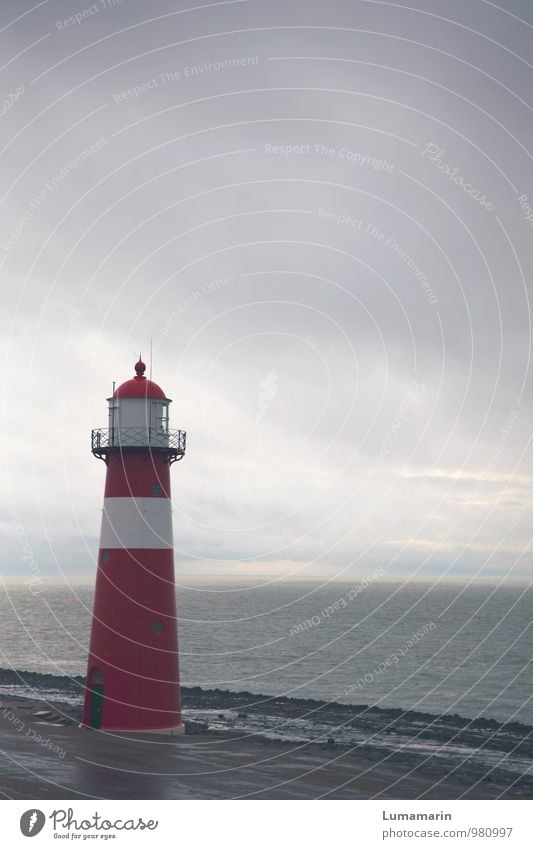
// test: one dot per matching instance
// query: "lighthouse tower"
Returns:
(132, 674)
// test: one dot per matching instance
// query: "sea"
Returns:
(437, 674)
(438, 649)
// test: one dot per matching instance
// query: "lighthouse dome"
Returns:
(139, 386)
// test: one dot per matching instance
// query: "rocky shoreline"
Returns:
(484, 752)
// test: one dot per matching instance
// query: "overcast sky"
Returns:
(321, 213)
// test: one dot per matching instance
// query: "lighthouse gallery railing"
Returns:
(104, 440)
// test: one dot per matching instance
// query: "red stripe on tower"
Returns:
(133, 670)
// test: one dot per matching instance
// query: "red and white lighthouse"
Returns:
(133, 673)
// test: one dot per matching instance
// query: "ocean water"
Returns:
(440, 649)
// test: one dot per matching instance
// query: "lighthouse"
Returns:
(133, 672)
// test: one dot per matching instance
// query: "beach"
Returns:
(237, 746)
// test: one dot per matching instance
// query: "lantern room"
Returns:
(138, 412)
(139, 418)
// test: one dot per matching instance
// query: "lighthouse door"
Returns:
(97, 698)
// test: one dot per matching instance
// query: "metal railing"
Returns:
(105, 440)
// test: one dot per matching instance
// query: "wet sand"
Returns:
(45, 755)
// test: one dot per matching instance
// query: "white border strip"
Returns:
(136, 523)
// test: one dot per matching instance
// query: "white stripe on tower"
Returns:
(136, 523)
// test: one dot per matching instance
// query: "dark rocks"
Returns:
(192, 727)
